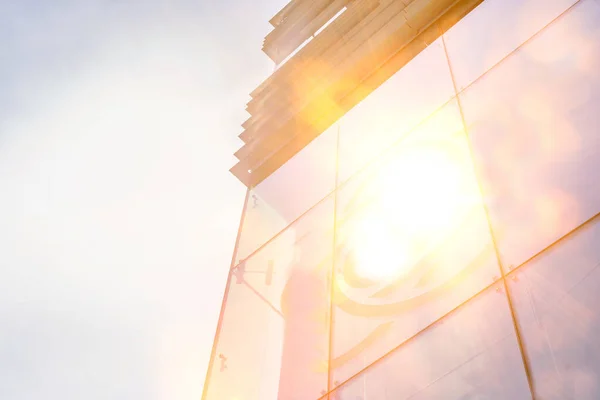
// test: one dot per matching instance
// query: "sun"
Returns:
(377, 255)
(420, 196)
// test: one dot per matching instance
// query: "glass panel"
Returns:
(291, 190)
(275, 332)
(396, 107)
(557, 303)
(413, 243)
(501, 26)
(534, 124)
(305, 244)
(470, 354)
(248, 357)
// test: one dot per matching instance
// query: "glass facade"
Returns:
(441, 240)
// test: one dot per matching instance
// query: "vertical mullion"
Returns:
(333, 264)
(517, 329)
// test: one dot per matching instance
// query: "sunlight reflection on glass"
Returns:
(418, 199)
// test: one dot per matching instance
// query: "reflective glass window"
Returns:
(534, 123)
(413, 242)
(393, 109)
(557, 303)
(290, 191)
(275, 329)
(494, 29)
(248, 357)
(470, 354)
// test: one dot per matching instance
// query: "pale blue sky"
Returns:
(117, 211)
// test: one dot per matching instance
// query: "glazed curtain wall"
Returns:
(441, 240)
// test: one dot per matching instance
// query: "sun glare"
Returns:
(377, 256)
(418, 198)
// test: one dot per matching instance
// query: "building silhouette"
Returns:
(421, 220)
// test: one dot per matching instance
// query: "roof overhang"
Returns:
(338, 68)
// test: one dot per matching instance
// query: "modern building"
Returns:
(421, 220)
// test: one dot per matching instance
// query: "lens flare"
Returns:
(418, 198)
(377, 255)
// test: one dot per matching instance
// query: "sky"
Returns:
(118, 120)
